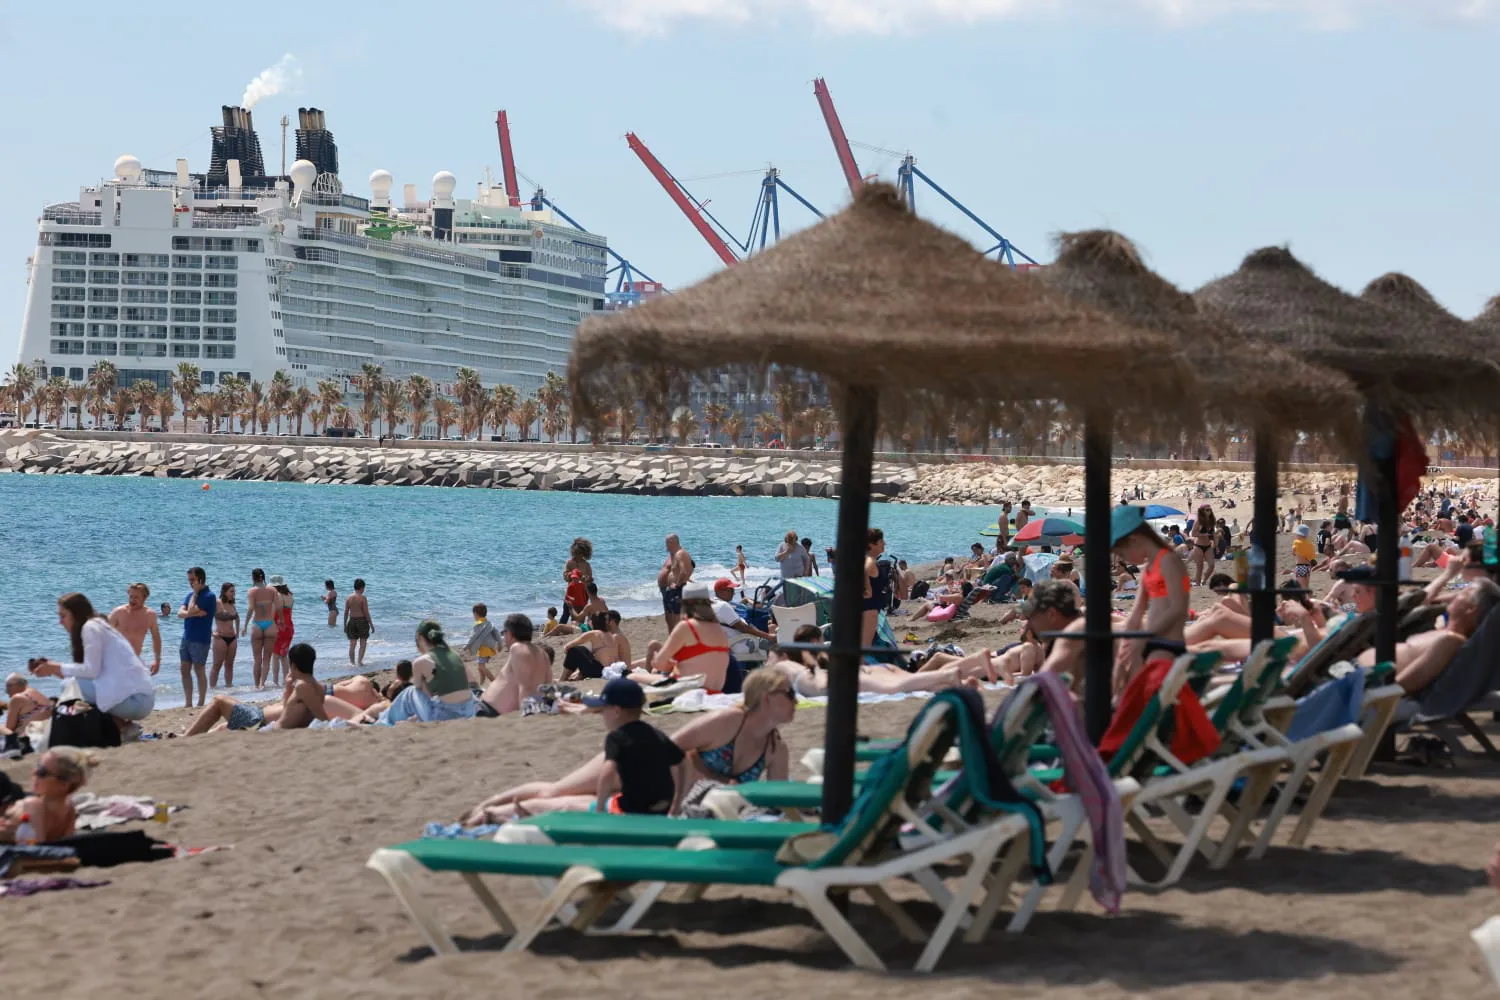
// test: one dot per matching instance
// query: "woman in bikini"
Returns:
(331, 602)
(284, 629)
(260, 622)
(730, 746)
(1203, 545)
(226, 637)
(1161, 604)
(740, 566)
(877, 587)
(698, 645)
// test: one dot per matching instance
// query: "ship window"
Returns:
(184, 350)
(103, 348)
(67, 312)
(67, 347)
(206, 377)
(180, 278)
(187, 260)
(100, 240)
(104, 259)
(104, 277)
(145, 277)
(146, 314)
(101, 329)
(186, 315)
(222, 351)
(65, 258)
(219, 315)
(143, 259)
(67, 329)
(218, 333)
(76, 374)
(244, 376)
(68, 276)
(222, 299)
(153, 295)
(67, 295)
(220, 280)
(104, 312)
(221, 263)
(188, 298)
(184, 333)
(103, 294)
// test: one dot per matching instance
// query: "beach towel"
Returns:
(18, 858)
(1193, 734)
(32, 886)
(1334, 704)
(1087, 775)
(457, 831)
(95, 812)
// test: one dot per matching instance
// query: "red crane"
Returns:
(507, 160)
(675, 192)
(840, 140)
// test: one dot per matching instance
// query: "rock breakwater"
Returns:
(581, 470)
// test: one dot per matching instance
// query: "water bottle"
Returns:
(1241, 568)
(1403, 564)
(1257, 574)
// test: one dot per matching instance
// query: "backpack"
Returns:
(577, 594)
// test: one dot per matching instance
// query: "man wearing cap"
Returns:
(643, 769)
(726, 614)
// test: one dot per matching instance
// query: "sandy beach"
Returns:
(1379, 905)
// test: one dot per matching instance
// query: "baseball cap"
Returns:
(1123, 520)
(622, 692)
(723, 583)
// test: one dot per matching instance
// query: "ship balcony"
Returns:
(72, 217)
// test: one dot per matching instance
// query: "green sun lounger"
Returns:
(859, 854)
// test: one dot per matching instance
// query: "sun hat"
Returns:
(276, 581)
(696, 591)
(622, 692)
(1123, 520)
(1302, 531)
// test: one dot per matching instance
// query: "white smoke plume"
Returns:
(271, 81)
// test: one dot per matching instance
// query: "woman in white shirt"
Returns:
(109, 673)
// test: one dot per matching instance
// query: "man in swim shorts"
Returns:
(197, 614)
(134, 621)
(676, 570)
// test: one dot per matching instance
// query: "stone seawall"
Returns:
(663, 474)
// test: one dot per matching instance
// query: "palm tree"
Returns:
(56, 400)
(418, 400)
(280, 395)
(121, 403)
(298, 405)
(230, 397)
(658, 415)
(372, 385)
(78, 397)
(165, 409)
(186, 382)
(255, 395)
(263, 414)
(627, 419)
(734, 427)
(552, 394)
(789, 394)
(685, 424)
(101, 383)
(211, 406)
(145, 393)
(19, 382)
(503, 402)
(470, 392)
(443, 412)
(526, 416)
(330, 396)
(713, 418)
(342, 417)
(392, 400)
(766, 425)
(554, 422)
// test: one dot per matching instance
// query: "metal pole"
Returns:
(1098, 646)
(1388, 542)
(1263, 601)
(858, 427)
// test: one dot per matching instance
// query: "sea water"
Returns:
(424, 552)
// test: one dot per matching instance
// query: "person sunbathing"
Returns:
(303, 699)
(808, 672)
(528, 665)
(47, 814)
(1420, 659)
(731, 746)
(587, 654)
(697, 644)
(24, 705)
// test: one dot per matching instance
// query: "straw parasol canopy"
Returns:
(875, 296)
(1278, 392)
(1488, 324)
(1275, 297)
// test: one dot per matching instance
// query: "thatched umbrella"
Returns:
(887, 308)
(1276, 394)
(1487, 325)
(1273, 297)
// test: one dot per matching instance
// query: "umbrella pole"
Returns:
(1098, 646)
(1387, 547)
(1263, 598)
(859, 422)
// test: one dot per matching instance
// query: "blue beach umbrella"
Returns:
(1153, 511)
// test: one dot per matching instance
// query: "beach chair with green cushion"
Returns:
(858, 855)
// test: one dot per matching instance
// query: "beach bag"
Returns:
(79, 724)
(577, 594)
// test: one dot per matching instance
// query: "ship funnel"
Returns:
(183, 180)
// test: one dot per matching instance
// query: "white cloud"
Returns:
(882, 17)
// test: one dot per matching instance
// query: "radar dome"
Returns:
(380, 183)
(128, 168)
(304, 172)
(443, 184)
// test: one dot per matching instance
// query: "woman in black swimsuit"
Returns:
(1203, 545)
(877, 586)
(226, 637)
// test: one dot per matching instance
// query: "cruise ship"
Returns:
(244, 273)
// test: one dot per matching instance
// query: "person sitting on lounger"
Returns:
(1420, 659)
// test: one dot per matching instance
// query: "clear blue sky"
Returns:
(1362, 132)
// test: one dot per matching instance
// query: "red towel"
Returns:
(1193, 734)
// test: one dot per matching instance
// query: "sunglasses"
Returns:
(42, 772)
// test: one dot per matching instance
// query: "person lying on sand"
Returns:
(808, 672)
(47, 814)
(528, 666)
(303, 699)
(730, 746)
